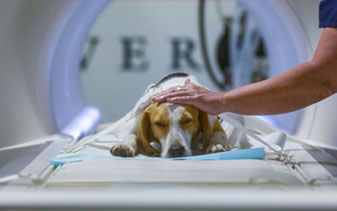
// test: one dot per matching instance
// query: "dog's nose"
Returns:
(176, 151)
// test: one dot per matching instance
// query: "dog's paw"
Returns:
(122, 150)
(213, 148)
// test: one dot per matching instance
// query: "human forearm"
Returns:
(303, 85)
(292, 90)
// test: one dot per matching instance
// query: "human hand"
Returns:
(205, 100)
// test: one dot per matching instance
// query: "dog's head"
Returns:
(173, 127)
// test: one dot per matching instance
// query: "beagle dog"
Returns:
(172, 130)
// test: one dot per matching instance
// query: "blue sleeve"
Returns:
(328, 13)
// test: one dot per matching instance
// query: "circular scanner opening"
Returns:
(110, 56)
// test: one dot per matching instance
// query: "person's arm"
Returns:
(297, 88)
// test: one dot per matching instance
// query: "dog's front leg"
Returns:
(127, 149)
(218, 143)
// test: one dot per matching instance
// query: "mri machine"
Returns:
(43, 112)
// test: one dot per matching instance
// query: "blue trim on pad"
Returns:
(252, 153)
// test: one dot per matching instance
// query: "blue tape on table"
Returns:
(252, 153)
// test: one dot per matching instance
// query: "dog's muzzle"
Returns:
(176, 151)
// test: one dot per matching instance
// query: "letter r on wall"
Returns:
(182, 49)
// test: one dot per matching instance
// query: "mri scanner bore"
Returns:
(217, 41)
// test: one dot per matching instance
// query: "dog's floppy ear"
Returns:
(205, 129)
(144, 134)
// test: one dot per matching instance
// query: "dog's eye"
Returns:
(159, 124)
(186, 121)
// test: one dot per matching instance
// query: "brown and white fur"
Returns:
(172, 130)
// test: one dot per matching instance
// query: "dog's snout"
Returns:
(176, 151)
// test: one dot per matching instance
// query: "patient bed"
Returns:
(35, 174)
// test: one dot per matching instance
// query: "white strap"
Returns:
(9, 178)
(239, 126)
(14, 177)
